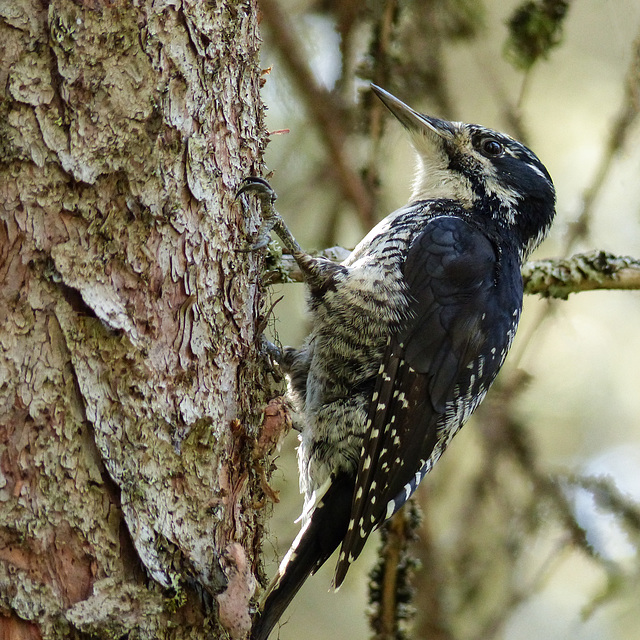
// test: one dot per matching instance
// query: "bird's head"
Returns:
(489, 173)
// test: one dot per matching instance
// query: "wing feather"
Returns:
(460, 305)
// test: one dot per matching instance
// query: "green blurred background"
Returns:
(501, 557)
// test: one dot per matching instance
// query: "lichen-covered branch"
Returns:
(551, 278)
(390, 590)
(557, 278)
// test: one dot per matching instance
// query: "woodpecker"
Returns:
(408, 333)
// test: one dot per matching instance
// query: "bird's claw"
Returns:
(270, 216)
(271, 219)
(264, 237)
(269, 349)
(259, 185)
(272, 354)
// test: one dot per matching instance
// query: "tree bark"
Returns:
(129, 368)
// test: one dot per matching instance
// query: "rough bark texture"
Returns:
(127, 317)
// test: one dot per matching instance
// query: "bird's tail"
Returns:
(320, 535)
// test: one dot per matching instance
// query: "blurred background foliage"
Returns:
(530, 524)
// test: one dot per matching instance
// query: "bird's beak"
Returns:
(412, 120)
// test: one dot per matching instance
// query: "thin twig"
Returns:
(495, 625)
(380, 55)
(617, 137)
(390, 590)
(321, 105)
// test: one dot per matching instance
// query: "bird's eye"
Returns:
(491, 147)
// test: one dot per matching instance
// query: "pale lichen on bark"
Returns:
(581, 272)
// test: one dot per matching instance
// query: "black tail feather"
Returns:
(321, 537)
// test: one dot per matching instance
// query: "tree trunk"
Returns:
(128, 356)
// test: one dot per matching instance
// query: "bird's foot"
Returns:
(272, 356)
(270, 350)
(271, 219)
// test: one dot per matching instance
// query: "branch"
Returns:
(557, 278)
(390, 590)
(552, 278)
(618, 136)
(283, 268)
(608, 496)
(322, 107)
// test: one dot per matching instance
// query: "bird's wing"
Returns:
(461, 310)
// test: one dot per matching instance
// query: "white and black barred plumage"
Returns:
(408, 334)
